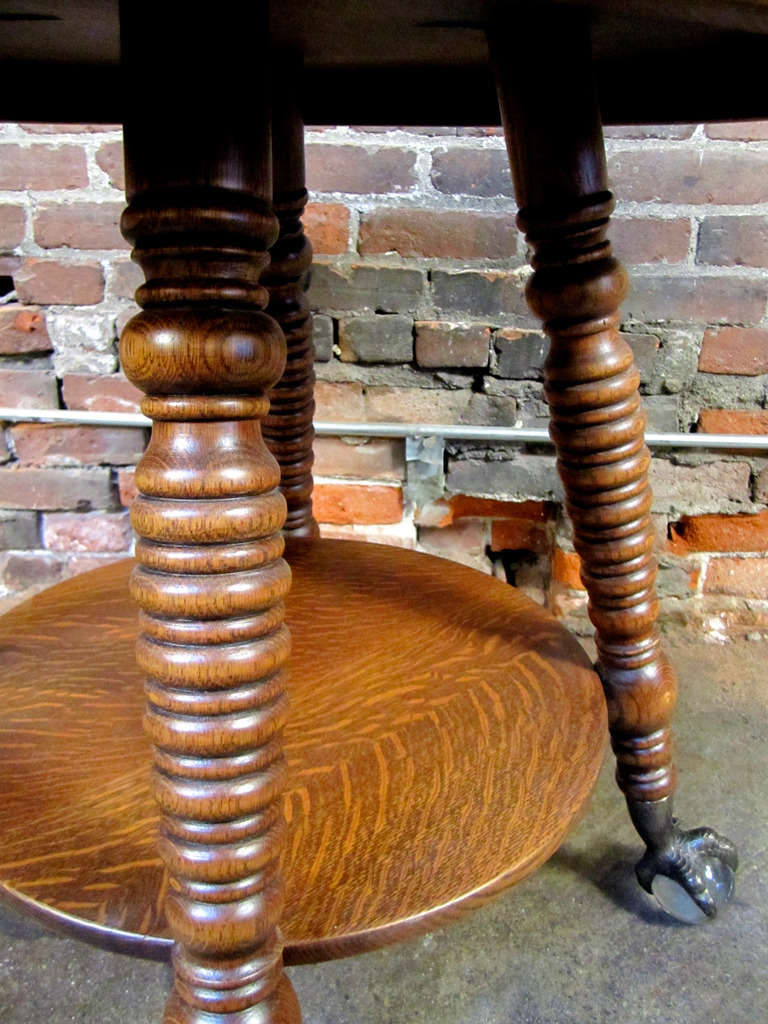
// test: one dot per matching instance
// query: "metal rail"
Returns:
(449, 432)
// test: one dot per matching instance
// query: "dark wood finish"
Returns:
(556, 152)
(210, 581)
(397, 63)
(445, 762)
(288, 429)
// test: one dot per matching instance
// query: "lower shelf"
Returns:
(445, 732)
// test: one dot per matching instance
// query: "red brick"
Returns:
(327, 227)
(23, 331)
(699, 299)
(341, 402)
(97, 531)
(100, 393)
(686, 176)
(39, 167)
(566, 569)
(32, 389)
(720, 533)
(453, 345)
(126, 485)
(56, 444)
(733, 242)
(357, 503)
(733, 421)
(49, 282)
(13, 220)
(126, 277)
(21, 570)
(466, 506)
(737, 350)
(650, 240)
(53, 489)
(519, 535)
(366, 459)
(472, 172)
(740, 131)
(79, 226)
(109, 157)
(741, 577)
(447, 234)
(332, 168)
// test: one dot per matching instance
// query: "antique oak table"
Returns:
(443, 732)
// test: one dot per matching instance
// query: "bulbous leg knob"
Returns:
(691, 873)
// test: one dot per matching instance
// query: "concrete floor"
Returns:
(578, 943)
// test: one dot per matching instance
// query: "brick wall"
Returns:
(418, 287)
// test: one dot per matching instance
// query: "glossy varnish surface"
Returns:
(591, 384)
(210, 581)
(288, 429)
(442, 737)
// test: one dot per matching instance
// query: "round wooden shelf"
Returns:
(445, 733)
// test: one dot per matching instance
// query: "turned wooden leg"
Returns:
(554, 137)
(288, 427)
(210, 582)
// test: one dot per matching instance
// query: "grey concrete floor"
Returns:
(578, 943)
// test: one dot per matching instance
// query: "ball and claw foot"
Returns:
(691, 873)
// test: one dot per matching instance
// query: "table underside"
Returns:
(411, 64)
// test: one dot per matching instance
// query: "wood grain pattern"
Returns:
(288, 429)
(443, 762)
(210, 581)
(556, 151)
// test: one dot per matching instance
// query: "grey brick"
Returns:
(523, 477)
(716, 486)
(366, 289)
(18, 530)
(52, 489)
(477, 293)
(645, 349)
(519, 355)
(322, 337)
(662, 412)
(472, 172)
(19, 570)
(673, 580)
(699, 299)
(384, 338)
(456, 345)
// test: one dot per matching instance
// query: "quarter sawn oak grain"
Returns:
(444, 763)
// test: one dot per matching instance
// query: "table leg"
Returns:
(288, 427)
(554, 138)
(211, 581)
